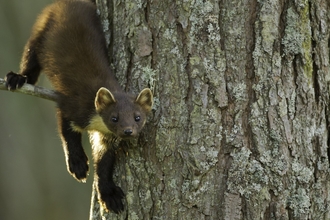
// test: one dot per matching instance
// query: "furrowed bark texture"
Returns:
(240, 126)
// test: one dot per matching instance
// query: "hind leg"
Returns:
(30, 67)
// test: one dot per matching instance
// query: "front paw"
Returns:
(14, 80)
(112, 199)
(78, 167)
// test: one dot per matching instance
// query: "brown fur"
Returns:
(68, 45)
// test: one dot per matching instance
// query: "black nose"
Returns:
(128, 131)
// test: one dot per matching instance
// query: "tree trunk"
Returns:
(240, 123)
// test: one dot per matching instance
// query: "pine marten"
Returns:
(67, 44)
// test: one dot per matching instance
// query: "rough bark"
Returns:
(240, 126)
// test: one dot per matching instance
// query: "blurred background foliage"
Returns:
(34, 182)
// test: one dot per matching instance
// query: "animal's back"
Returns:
(73, 51)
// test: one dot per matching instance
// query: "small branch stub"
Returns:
(32, 90)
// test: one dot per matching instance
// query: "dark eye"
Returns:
(114, 119)
(137, 118)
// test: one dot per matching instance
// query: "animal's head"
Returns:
(123, 114)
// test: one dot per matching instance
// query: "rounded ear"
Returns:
(103, 98)
(145, 99)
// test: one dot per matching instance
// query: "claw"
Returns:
(14, 80)
(112, 200)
